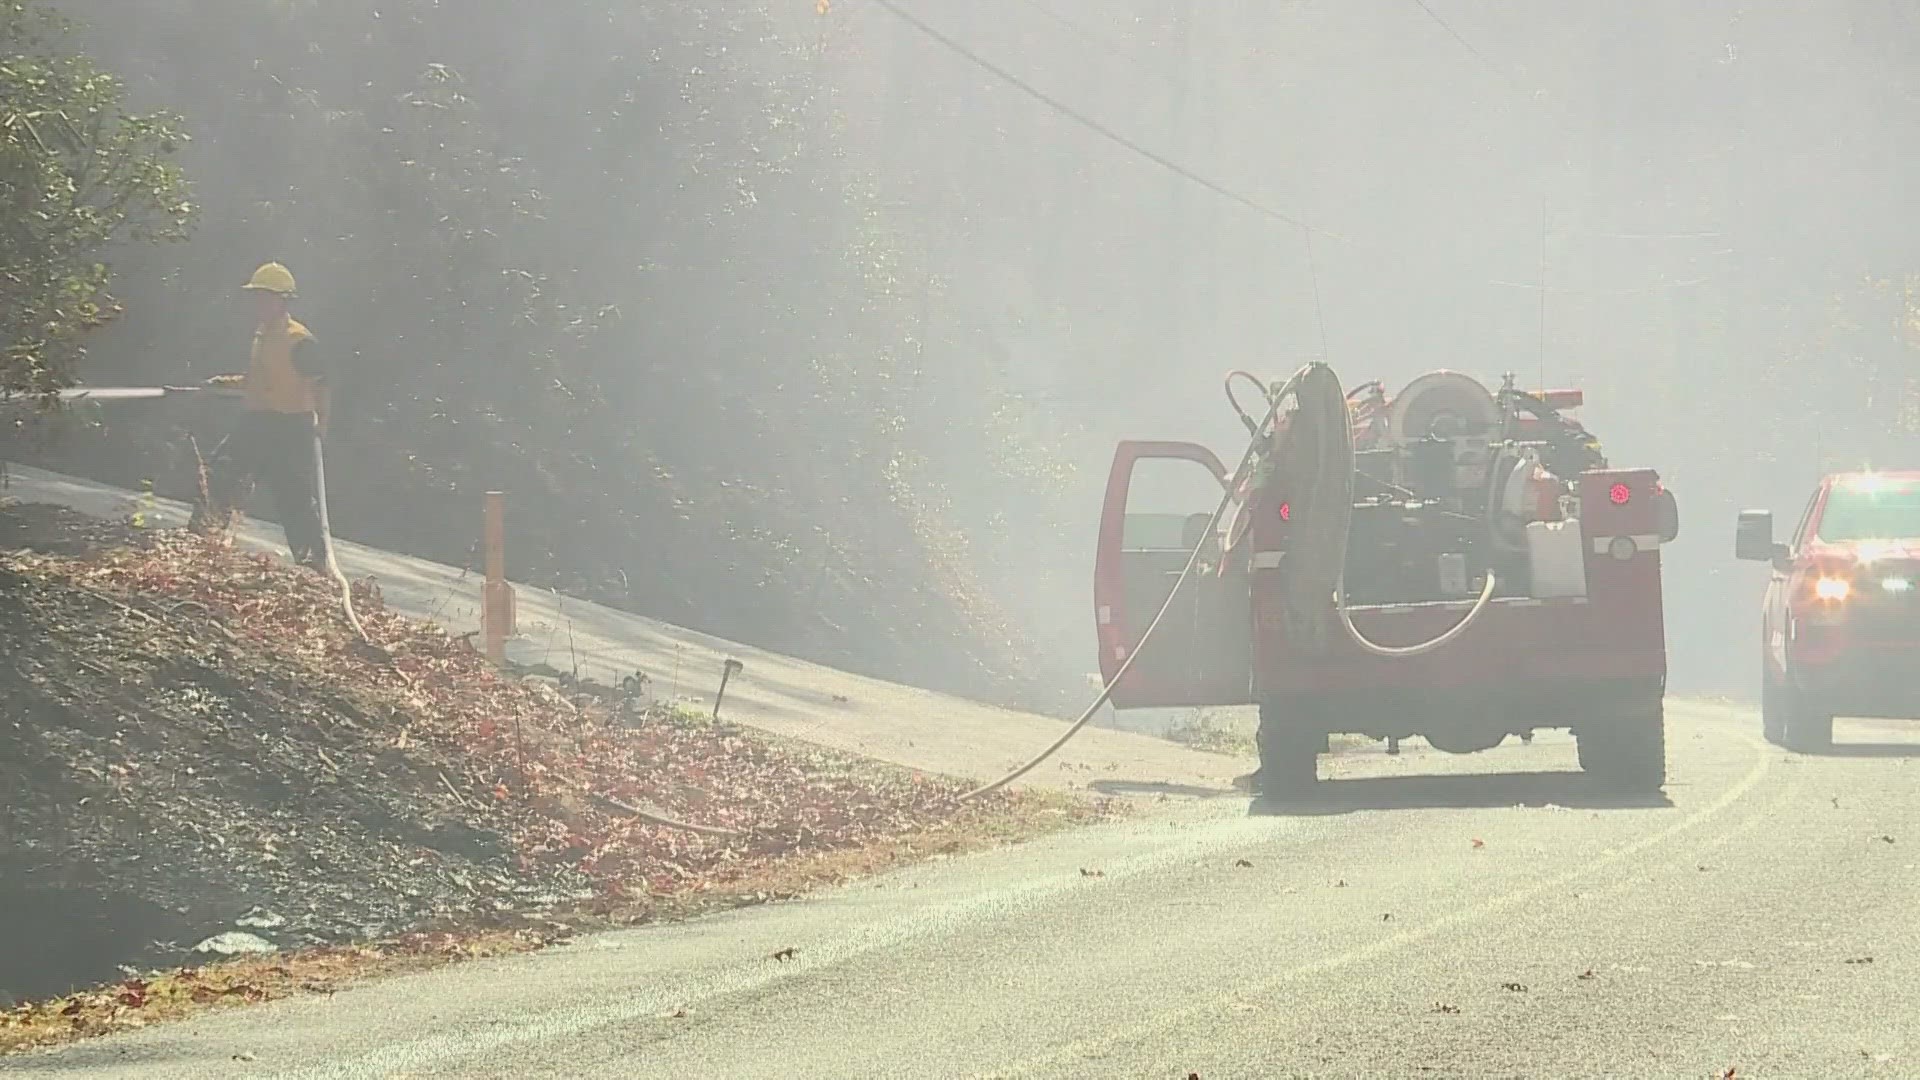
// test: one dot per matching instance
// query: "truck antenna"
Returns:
(1543, 293)
(1319, 313)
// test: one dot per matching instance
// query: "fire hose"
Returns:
(1317, 557)
(1193, 560)
(326, 540)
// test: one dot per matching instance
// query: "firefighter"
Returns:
(278, 436)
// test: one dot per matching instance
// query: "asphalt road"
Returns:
(1421, 918)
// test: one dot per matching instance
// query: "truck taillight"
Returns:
(1286, 511)
(1832, 589)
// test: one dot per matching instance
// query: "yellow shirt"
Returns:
(274, 384)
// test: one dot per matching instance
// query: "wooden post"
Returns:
(496, 598)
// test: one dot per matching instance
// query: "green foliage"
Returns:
(78, 173)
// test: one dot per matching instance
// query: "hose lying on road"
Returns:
(1318, 554)
(1322, 550)
(1193, 559)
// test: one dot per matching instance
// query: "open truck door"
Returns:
(1160, 497)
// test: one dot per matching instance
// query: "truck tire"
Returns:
(1773, 709)
(1289, 742)
(1806, 726)
(1627, 750)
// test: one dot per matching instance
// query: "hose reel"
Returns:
(1315, 462)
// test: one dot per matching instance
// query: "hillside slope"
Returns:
(193, 744)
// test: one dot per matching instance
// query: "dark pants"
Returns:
(279, 449)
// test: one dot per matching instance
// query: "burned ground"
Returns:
(163, 778)
(194, 746)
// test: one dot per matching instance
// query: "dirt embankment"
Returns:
(198, 760)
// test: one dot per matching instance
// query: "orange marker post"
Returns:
(496, 598)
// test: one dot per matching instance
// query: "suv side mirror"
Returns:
(1753, 537)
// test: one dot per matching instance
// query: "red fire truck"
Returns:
(1452, 562)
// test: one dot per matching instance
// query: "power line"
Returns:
(1385, 252)
(1468, 45)
(1101, 43)
(1319, 312)
(1095, 126)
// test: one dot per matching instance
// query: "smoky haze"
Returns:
(847, 322)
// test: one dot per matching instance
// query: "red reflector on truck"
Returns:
(1286, 511)
(1619, 494)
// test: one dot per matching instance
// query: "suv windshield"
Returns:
(1872, 509)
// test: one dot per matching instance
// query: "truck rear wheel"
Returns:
(1773, 708)
(1807, 728)
(1289, 740)
(1627, 749)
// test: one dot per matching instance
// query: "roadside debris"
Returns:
(235, 943)
(783, 955)
(198, 720)
(260, 919)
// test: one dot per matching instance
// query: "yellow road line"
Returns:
(1088, 1047)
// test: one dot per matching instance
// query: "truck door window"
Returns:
(1162, 497)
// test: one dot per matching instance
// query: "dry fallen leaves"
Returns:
(527, 755)
(536, 748)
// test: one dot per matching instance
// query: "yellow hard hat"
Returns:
(271, 277)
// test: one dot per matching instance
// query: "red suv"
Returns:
(1841, 623)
